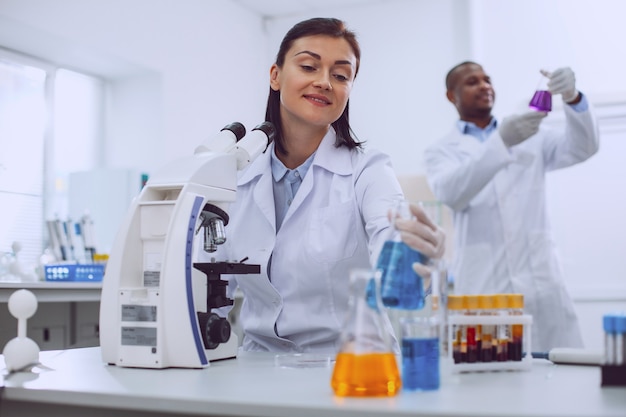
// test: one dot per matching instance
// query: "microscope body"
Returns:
(155, 309)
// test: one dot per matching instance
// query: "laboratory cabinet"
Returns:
(67, 314)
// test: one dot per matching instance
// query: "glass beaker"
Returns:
(401, 287)
(420, 352)
(542, 99)
(366, 364)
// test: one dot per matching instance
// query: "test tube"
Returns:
(487, 332)
(503, 331)
(608, 323)
(620, 342)
(455, 307)
(472, 331)
(516, 308)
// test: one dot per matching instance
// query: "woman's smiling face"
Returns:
(315, 80)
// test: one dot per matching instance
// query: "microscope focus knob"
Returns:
(215, 329)
(220, 330)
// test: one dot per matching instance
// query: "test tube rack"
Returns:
(463, 320)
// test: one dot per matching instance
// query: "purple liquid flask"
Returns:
(542, 100)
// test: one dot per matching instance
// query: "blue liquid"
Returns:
(401, 287)
(420, 364)
(370, 295)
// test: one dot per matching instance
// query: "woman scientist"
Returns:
(314, 205)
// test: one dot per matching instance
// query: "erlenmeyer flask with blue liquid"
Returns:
(401, 286)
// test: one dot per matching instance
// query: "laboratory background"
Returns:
(147, 80)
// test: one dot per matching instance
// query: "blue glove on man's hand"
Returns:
(562, 81)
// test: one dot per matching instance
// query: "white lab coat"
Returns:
(337, 221)
(503, 242)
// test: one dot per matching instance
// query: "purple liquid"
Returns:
(541, 101)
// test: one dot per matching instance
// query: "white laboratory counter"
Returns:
(77, 383)
(47, 292)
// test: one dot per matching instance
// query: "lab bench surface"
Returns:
(77, 383)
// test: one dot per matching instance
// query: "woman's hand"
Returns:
(421, 234)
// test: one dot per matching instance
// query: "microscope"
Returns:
(158, 306)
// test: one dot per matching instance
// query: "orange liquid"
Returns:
(368, 375)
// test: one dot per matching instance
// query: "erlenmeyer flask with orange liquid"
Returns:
(366, 365)
(542, 99)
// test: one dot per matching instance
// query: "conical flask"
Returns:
(542, 99)
(366, 364)
(401, 287)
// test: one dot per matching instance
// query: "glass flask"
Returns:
(542, 99)
(366, 364)
(401, 287)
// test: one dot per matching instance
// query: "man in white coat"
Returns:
(491, 173)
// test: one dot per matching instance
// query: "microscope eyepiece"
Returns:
(225, 140)
(269, 130)
(238, 129)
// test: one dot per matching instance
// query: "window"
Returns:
(50, 125)
(76, 130)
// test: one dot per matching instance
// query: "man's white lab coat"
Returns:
(503, 242)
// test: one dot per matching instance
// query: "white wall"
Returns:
(181, 70)
(515, 38)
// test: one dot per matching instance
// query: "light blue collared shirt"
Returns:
(286, 185)
(469, 128)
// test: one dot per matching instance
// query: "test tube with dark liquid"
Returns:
(516, 308)
(472, 331)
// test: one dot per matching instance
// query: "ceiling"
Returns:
(279, 8)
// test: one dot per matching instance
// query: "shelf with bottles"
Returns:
(505, 353)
